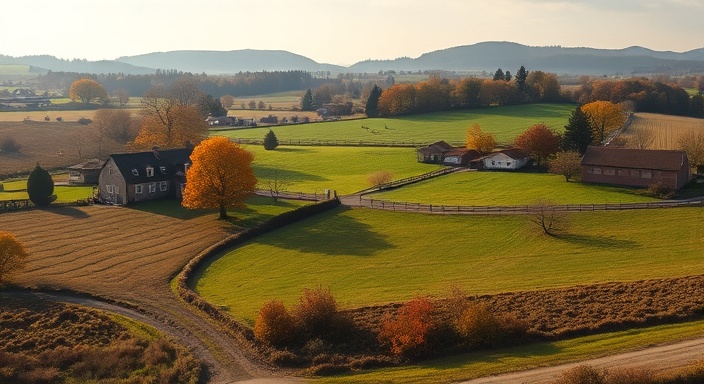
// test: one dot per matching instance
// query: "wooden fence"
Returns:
(338, 143)
(329, 194)
(459, 209)
(411, 180)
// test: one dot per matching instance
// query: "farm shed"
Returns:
(635, 167)
(433, 153)
(87, 172)
(505, 159)
(460, 156)
(132, 177)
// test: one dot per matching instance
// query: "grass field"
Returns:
(344, 169)
(508, 188)
(369, 257)
(666, 128)
(485, 363)
(18, 190)
(504, 122)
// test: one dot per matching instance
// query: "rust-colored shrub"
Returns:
(274, 324)
(631, 375)
(316, 312)
(582, 374)
(478, 325)
(407, 333)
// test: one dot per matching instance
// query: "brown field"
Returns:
(38, 116)
(280, 113)
(51, 144)
(667, 128)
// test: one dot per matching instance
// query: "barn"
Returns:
(505, 159)
(635, 167)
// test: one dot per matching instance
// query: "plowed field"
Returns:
(666, 128)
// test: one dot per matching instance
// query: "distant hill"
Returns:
(487, 56)
(229, 62)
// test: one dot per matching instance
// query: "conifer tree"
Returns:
(270, 141)
(307, 101)
(578, 132)
(372, 107)
(40, 187)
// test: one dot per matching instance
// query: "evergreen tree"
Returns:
(499, 75)
(40, 187)
(270, 141)
(521, 77)
(307, 101)
(507, 76)
(578, 132)
(372, 107)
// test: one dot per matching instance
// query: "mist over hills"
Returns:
(487, 56)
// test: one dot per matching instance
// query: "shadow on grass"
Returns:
(292, 149)
(66, 211)
(494, 357)
(597, 241)
(170, 208)
(332, 233)
(287, 175)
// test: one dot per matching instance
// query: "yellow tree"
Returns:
(172, 128)
(479, 140)
(12, 256)
(605, 118)
(87, 90)
(221, 176)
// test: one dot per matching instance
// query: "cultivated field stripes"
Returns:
(666, 129)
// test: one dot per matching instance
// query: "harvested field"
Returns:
(51, 144)
(666, 128)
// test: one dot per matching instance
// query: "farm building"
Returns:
(635, 167)
(505, 159)
(87, 172)
(132, 177)
(460, 156)
(433, 153)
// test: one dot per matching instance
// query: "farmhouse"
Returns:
(505, 159)
(635, 167)
(132, 177)
(460, 156)
(433, 153)
(87, 172)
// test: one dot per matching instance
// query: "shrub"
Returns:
(270, 141)
(274, 325)
(406, 335)
(660, 191)
(479, 326)
(9, 145)
(640, 375)
(582, 374)
(40, 187)
(84, 121)
(316, 312)
(380, 178)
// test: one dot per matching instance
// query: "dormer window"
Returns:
(185, 167)
(163, 170)
(150, 171)
(135, 172)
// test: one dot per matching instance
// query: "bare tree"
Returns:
(551, 220)
(380, 178)
(276, 186)
(692, 142)
(567, 164)
(122, 95)
(640, 138)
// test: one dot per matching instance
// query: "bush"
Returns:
(84, 121)
(40, 187)
(316, 312)
(479, 326)
(270, 141)
(9, 145)
(660, 191)
(582, 374)
(406, 335)
(274, 325)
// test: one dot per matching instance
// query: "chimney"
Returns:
(155, 151)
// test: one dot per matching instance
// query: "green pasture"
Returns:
(508, 188)
(485, 363)
(370, 257)
(344, 169)
(504, 122)
(14, 70)
(17, 190)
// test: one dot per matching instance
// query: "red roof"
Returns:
(664, 160)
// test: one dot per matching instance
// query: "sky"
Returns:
(340, 32)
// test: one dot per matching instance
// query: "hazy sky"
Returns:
(340, 32)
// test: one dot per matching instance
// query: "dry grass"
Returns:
(667, 128)
(69, 116)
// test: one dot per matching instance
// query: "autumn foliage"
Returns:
(540, 141)
(274, 324)
(479, 140)
(171, 129)
(12, 256)
(86, 90)
(221, 176)
(605, 118)
(408, 332)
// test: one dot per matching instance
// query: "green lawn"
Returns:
(17, 190)
(504, 122)
(508, 188)
(371, 257)
(344, 169)
(473, 365)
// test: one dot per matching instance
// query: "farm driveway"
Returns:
(129, 256)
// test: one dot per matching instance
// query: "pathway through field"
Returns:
(129, 256)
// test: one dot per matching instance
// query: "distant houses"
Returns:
(501, 159)
(133, 177)
(86, 173)
(635, 167)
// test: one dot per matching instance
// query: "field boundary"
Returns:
(470, 209)
(15, 205)
(341, 143)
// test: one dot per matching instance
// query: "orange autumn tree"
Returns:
(540, 141)
(13, 256)
(221, 176)
(479, 140)
(605, 117)
(171, 128)
(86, 90)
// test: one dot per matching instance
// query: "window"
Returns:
(135, 172)
(597, 171)
(110, 169)
(635, 173)
(138, 189)
(163, 170)
(150, 171)
(508, 163)
(108, 188)
(646, 174)
(185, 167)
(163, 186)
(609, 171)
(152, 188)
(623, 172)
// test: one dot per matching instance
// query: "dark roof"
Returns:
(95, 164)
(665, 160)
(514, 153)
(140, 161)
(437, 147)
(459, 151)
